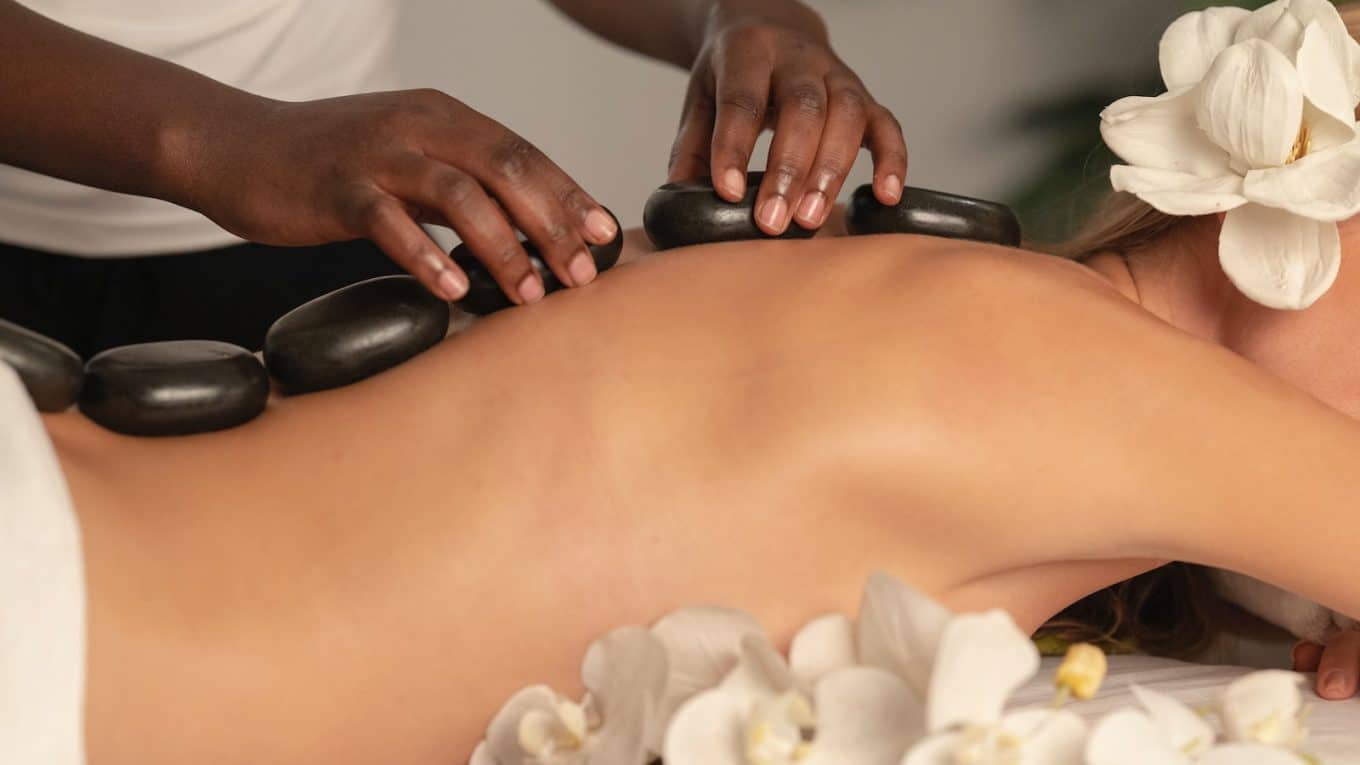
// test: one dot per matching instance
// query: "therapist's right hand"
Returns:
(374, 166)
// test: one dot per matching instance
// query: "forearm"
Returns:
(674, 30)
(80, 108)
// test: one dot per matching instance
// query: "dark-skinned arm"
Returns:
(760, 64)
(371, 166)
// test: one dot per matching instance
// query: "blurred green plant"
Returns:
(1055, 202)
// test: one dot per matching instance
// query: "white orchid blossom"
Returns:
(982, 660)
(625, 676)
(767, 712)
(1258, 123)
(702, 647)
(1261, 716)
(1265, 708)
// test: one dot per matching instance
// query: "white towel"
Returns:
(42, 594)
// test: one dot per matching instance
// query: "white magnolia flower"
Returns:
(1265, 708)
(625, 676)
(1258, 123)
(982, 660)
(769, 713)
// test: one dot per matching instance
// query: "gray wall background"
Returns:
(954, 71)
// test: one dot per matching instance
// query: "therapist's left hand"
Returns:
(768, 64)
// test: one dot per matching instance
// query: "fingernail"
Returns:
(531, 289)
(452, 285)
(772, 214)
(812, 209)
(601, 227)
(892, 186)
(734, 182)
(1334, 684)
(582, 269)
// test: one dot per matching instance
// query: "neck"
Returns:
(1180, 281)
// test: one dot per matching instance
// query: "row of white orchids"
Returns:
(907, 683)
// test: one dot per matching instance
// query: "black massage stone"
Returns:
(683, 214)
(51, 372)
(485, 296)
(175, 388)
(353, 333)
(933, 213)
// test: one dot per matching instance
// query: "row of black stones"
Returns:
(684, 214)
(187, 387)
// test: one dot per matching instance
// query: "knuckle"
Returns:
(852, 103)
(834, 165)
(454, 188)
(376, 213)
(886, 116)
(745, 104)
(788, 172)
(513, 158)
(807, 99)
(573, 199)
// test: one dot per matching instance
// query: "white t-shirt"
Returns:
(292, 50)
(42, 594)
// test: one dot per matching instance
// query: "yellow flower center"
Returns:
(1301, 146)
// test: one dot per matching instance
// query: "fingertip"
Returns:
(451, 284)
(732, 185)
(1336, 685)
(1306, 656)
(773, 216)
(601, 227)
(889, 189)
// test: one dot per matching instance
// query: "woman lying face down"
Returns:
(365, 574)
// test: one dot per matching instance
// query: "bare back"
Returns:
(719, 424)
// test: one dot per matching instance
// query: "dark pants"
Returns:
(232, 294)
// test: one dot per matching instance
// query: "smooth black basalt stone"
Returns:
(933, 213)
(485, 296)
(175, 388)
(353, 333)
(683, 214)
(51, 372)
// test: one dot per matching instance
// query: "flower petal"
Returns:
(1129, 737)
(983, 659)
(1179, 193)
(1162, 133)
(1277, 258)
(1263, 707)
(824, 645)
(900, 630)
(935, 750)
(1193, 41)
(502, 737)
(482, 756)
(1323, 64)
(1250, 754)
(1323, 186)
(1251, 104)
(1353, 46)
(1184, 730)
(709, 729)
(760, 672)
(1052, 737)
(626, 673)
(702, 645)
(1275, 25)
(865, 716)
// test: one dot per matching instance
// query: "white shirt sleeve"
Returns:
(42, 594)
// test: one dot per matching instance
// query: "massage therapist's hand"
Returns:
(373, 166)
(768, 63)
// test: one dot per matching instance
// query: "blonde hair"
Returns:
(1174, 610)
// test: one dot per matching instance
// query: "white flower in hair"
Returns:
(1258, 123)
